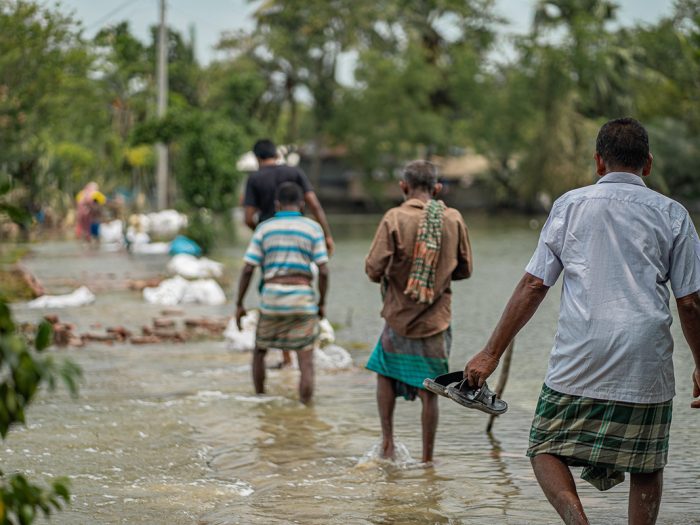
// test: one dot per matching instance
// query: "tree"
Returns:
(668, 98)
(298, 43)
(43, 65)
(420, 80)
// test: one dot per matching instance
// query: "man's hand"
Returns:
(479, 368)
(240, 313)
(321, 311)
(696, 389)
(330, 245)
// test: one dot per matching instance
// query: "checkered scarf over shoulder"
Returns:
(421, 281)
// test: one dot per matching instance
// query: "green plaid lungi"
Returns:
(608, 438)
(410, 360)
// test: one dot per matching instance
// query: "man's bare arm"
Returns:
(323, 274)
(689, 313)
(243, 284)
(249, 216)
(527, 297)
(317, 211)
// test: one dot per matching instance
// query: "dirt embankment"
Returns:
(17, 283)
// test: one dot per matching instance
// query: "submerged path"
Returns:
(171, 433)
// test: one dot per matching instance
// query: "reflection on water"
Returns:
(173, 434)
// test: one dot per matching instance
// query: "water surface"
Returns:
(172, 433)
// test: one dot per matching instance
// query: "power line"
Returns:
(109, 15)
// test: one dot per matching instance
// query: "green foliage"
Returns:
(43, 78)
(22, 500)
(13, 212)
(202, 229)
(427, 83)
(205, 147)
(24, 370)
(206, 161)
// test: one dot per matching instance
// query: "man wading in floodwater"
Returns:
(284, 247)
(261, 188)
(420, 247)
(606, 401)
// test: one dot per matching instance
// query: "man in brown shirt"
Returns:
(415, 342)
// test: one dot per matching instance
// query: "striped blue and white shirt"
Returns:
(287, 244)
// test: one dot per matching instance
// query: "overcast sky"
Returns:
(212, 17)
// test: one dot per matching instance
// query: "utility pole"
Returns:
(162, 77)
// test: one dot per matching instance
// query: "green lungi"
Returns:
(410, 360)
(608, 438)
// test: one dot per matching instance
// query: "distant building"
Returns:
(343, 188)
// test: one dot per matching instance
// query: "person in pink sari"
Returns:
(85, 211)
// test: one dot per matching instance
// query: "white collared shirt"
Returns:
(619, 244)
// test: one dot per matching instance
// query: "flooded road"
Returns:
(172, 434)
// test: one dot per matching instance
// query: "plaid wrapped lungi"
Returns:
(608, 438)
(410, 360)
(288, 318)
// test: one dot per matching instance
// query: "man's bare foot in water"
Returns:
(388, 451)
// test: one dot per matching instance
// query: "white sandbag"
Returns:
(150, 248)
(168, 293)
(332, 357)
(139, 222)
(112, 232)
(136, 236)
(204, 291)
(79, 297)
(247, 162)
(166, 223)
(242, 340)
(192, 267)
(327, 334)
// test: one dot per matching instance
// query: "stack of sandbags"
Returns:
(178, 290)
(192, 267)
(165, 223)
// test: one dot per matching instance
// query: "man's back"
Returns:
(391, 257)
(262, 185)
(286, 245)
(618, 244)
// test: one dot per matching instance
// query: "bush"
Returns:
(24, 369)
(201, 229)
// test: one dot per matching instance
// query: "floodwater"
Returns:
(172, 433)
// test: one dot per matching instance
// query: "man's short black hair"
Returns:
(289, 193)
(623, 143)
(265, 149)
(420, 174)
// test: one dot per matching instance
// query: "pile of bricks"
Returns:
(162, 329)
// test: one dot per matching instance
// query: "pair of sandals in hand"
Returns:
(456, 387)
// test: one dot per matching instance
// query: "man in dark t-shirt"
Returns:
(259, 198)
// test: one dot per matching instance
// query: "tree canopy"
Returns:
(426, 79)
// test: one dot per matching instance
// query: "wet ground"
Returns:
(172, 434)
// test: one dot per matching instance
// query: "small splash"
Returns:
(258, 399)
(211, 394)
(225, 488)
(402, 458)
